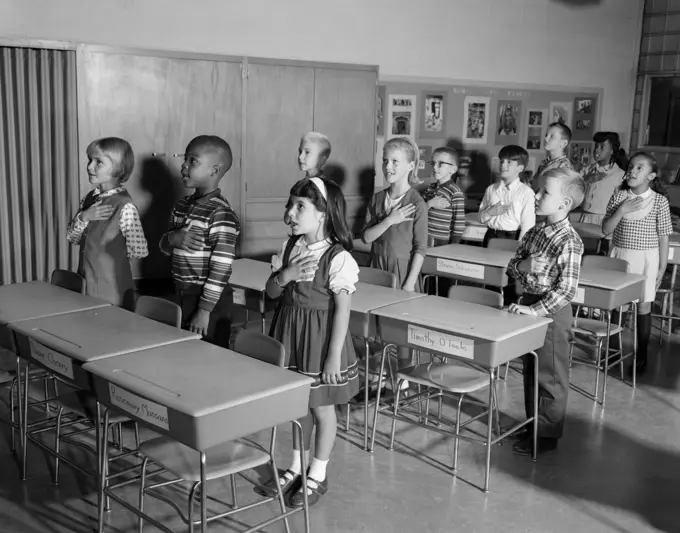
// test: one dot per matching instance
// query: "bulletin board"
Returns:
(479, 119)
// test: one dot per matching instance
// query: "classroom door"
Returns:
(344, 110)
(280, 108)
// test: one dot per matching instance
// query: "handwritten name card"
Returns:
(441, 342)
(459, 268)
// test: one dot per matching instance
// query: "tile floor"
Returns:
(617, 470)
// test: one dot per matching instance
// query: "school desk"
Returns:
(362, 324)
(484, 266)
(590, 232)
(474, 229)
(668, 301)
(476, 334)
(249, 280)
(607, 290)
(199, 394)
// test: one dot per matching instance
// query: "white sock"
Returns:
(296, 465)
(317, 470)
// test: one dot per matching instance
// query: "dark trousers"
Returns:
(441, 282)
(219, 325)
(553, 374)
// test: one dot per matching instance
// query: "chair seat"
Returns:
(220, 461)
(449, 377)
(72, 403)
(595, 328)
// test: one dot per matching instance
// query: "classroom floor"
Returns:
(617, 470)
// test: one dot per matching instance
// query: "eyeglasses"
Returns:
(438, 164)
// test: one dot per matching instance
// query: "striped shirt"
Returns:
(443, 224)
(555, 251)
(640, 230)
(210, 267)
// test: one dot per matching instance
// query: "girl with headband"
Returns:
(314, 277)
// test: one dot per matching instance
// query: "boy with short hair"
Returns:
(547, 266)
(202, 241)
(445, 201)
(556, 141)
(507, 208)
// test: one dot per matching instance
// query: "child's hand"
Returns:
(97, 211)
(632, 203)
(517, 309)
(186, 239)
(438, 203)
(497, 209)
(199, 322)
(299, 269)
(401, 214)
(331, 371)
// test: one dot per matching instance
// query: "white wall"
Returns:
(573, 43)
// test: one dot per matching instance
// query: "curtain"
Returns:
(38, 162)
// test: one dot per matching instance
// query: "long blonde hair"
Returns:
(411, 150)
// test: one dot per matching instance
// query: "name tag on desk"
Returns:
(580, 295)
(459, 268)
(55, 361)
(239, 296)
(147, 411)
(441, 342)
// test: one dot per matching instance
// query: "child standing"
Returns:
(603, 177)
(397, 222)
(556, 141)
(547, 265)
(314, 277)
(313, 152)
(202, 240)
(508, 205)
(107, 227)
(445, 201)
(640, 219)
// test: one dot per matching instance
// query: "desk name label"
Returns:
(146, 411)
(580, 295)
(239, 297)
(441, 342)
(459, 268)
(55, 361)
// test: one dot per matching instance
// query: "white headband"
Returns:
(321, 186)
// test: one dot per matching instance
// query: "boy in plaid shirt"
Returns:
(547, 266)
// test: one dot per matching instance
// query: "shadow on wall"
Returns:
(474, 173)
(158, 183)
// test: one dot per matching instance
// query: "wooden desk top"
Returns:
(607, 279)
(250, 274)
(472, 254)
(98, 333)
(195, 377)
(461, 318)
(37, 299)
(369, 297)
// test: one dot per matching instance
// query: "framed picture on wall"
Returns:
(584, 118)
(536, 122)
(508, 121)
(476, 119)
(433, 122)
(561, 112)
(401, 115)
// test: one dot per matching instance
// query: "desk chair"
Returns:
(219, 461)
(68, 280)
(453, 379)
(595, 330)
(381, 278)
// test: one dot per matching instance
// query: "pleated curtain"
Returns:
(38, 162)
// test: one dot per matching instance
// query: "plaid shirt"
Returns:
(550, 164)
(555, 251)
(211, 266)
(641, 234)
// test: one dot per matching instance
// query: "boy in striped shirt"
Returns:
(202, 241)
(445, 201)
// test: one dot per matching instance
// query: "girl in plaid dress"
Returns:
(639, 217)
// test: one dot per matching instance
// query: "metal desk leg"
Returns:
(24, 429)
(297, 427)
(377, 396)
(262, 313)
(674, 273)
(367, 357)
(489, 433)
(606, 357)
(21, 410)
(533, 457)
(204, 502)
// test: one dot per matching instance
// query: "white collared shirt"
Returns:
(518, 200)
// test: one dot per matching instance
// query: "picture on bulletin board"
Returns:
(380, 110)
(584, 118)
(580, 155)
(476, 119)
(424, 157)
(434, 115)
(534, 138)
(509, 116)
(401, 116)
(536, 121)
(560, 112)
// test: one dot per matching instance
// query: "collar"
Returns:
(556, 160)
(512, 186)
(605, 168)
(551, 229)
(318, 245)
(193, 199)
(98, 191)
(645, 194)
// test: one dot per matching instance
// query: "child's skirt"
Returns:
(643, 262)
